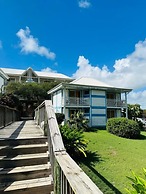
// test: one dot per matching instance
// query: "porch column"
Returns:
(126, 104)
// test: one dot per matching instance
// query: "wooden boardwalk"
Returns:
(24, 166)
(20, 130)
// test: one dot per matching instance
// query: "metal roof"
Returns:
(17, 72)
(88, 83)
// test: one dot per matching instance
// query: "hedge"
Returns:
(123, 127)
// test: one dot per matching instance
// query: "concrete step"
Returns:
(23, 141)
(24, 172)
(23, 149)
(23, 160)
(37, 186)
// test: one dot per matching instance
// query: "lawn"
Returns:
(112, 158)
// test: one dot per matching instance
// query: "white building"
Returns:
(29, 75)
(3, 81)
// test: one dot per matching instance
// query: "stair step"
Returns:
(23, 149)
(43, 185)
(23, 160)
(23, 141)
(24, 172)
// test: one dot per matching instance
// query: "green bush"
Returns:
(138, 184)
(74, 141)
(123, 127)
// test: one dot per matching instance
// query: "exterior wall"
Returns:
(57, 101)
(98, 108)
(2, 82)
(97, 113)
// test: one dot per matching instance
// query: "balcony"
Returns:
(116, 103)
(73, 101)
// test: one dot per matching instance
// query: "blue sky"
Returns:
(101, 39)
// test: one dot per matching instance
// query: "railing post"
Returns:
(5, 109)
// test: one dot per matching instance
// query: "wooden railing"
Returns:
(68, 177)
(7, 115)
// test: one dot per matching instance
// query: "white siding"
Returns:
(1, 83)
(98, 121)
(98, 101)
(98, 111)
(57, 101)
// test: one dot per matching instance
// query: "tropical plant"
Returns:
(138, 184)
(78, 121)
(74, 141)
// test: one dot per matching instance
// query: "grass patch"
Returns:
(111, 159)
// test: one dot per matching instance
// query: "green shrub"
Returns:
(123, 127)
(138, 184)
(74, 141)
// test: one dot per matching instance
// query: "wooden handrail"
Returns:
(72, 179)
(7, 115)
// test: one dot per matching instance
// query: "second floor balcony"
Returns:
(110, 103)
(116, 103)
(74, 101)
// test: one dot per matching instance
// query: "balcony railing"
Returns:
(116, 103)
(72, 101)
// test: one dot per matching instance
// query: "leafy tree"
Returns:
(134, 111)
(9, 100)
(30, 94)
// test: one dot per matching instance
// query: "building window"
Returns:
(111, 113)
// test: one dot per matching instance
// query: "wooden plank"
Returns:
(78, 180)
(55, 134)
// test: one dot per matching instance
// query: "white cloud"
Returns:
(138, 98)
(84, 4)
(48, 70)
(29, 44)
(1, 46)
(129, 72)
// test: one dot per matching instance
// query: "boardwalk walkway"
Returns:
(21, 129)
(24, 166)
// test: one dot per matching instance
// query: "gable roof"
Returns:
(29, 69)
(88, 83)
(41, 74)
(3, 75)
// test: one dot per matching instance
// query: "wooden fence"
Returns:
(68, 177)
(7, 115)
